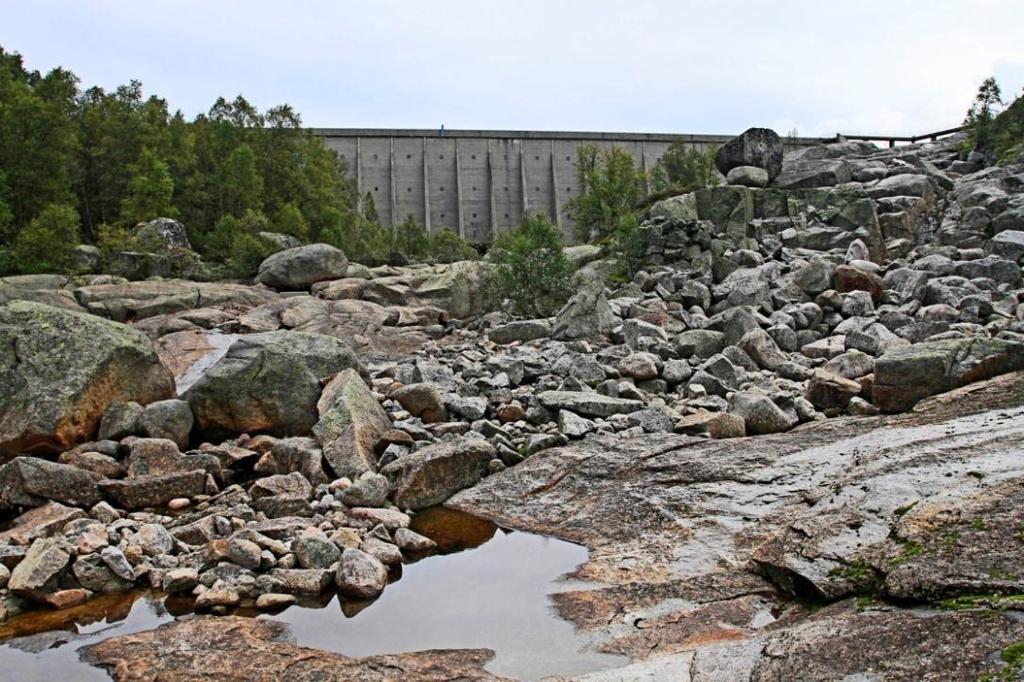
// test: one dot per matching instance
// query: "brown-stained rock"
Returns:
(234, 648)
(153, 490)
(849, 278)
(41, 522)
(434, 473)
(421, 400)
(60, 369)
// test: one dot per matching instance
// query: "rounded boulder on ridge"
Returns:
(758, 147)
(299, 268)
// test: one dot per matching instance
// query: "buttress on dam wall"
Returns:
(481, 182)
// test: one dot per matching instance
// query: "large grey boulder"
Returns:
(351, 422)
(747, 176)
(808, 173)
(298, 268)
(268, 383)
(760, 414)
(520, 330)
(432, 474)
(760, 147)
(162, 234)
(171, 419)
(586, 314)
(59, 369)
(1009, 244)
(907, 374)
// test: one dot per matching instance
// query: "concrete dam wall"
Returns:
(480, 182)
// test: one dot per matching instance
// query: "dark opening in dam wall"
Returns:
(478, 182)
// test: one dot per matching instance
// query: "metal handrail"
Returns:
(893, 139)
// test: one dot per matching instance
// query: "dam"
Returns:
(480, 182)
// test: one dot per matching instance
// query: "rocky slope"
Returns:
(791, 308)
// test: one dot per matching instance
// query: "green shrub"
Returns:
(46, 243)
(115, 238)
(448, 247)
(682, 169)
(628, 247)
(530, 274)
(247, 252)
(216, 245)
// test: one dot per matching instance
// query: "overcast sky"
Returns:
(892, 66)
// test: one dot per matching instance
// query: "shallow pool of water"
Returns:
(486, 588)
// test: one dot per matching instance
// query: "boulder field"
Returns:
(791, 443)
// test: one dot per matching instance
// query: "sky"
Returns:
(816, 66)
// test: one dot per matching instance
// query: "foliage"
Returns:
(47, 243)
(119, 157)
(446, 246)
(997, 135)
(289, 220)
(150, 190)
(628, 246)
(113, 238)
(683, 169)
(247, 252)
(411, 240)
(530, 274)
(242, 185)
(611, 189)
(37, 137)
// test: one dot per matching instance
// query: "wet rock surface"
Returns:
(235, 648)
(713, 549)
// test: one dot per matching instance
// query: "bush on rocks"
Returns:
(529, 271)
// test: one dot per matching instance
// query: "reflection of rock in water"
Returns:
(453, 531)
(109, 608)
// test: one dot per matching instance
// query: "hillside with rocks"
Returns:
(792, 442)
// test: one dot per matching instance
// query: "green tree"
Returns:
(610, 187)
(410, 239)
(46, 244)
(684, 169)
(247, 252)
(289, 220)
(242, 184)
(37, 137)
(217, 244)
(6, 216)
(529, 273)
(980, 117)
(150, 191)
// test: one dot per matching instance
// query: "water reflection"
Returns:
(495, 596)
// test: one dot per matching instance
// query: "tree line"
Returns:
(86, 165)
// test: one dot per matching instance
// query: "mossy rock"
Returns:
(59, 369)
